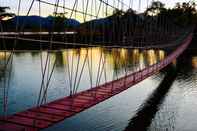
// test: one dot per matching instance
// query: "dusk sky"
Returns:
(47, 10)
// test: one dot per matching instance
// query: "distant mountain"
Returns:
(101, 21)
(34, 22)
(72, 22)
(117, 19)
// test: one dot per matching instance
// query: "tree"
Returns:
(178, 5)
(184, 14)
(3, 9)
(4, 14)
(59, 21)
(155, 8)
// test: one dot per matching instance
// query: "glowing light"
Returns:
(4, 55)
(161, 54)
(136, 51)
(141, 60)
(83, 51)
(6, 18)
(151, 57)
(123, 53)
(194, 62)
(135, 56)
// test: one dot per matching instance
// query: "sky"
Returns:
(46, 10)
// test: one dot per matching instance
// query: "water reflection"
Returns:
(94, 66)
(178, 109)
(143, 118)
(59, 59)
(117, 59)
(151, 57)
(194, 62)
(166, 109)
(5, 74)
(4, 62)
(4, 57)
(161, 54)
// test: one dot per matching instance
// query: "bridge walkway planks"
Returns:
(51, 113)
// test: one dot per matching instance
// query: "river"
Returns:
(173, 109)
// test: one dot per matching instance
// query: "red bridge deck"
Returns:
(46, 115)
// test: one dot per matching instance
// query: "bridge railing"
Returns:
(38, 117)
(142, 74)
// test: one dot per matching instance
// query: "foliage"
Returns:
(183, 14)
(3, 9)
(155, 8)
(59, 21)
(4, 14)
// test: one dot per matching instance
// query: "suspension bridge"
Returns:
(48, 114)
(141, 33)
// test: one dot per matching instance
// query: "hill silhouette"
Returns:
(34, 23)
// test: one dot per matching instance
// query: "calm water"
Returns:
(174, 110)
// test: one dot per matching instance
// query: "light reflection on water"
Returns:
(22, 77)
(194, 62)
(176, 109)
(20, 84)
